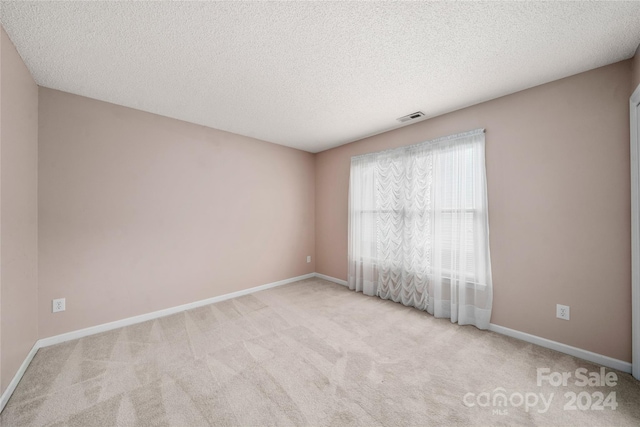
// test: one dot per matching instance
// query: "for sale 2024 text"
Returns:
(582, 377)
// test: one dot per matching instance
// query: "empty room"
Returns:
(310, 213)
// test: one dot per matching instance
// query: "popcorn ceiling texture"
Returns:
(312, 75)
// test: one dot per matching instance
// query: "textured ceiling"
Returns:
(312, 75)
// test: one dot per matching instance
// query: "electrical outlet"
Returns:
(308, 258)
(563, 311)
(59, 305)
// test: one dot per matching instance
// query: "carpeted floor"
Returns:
(309, 353)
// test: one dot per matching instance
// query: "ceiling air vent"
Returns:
(412, 116)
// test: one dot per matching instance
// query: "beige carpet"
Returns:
(308, 353)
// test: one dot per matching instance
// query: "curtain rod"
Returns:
(432, 141)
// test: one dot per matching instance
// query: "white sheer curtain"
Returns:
(419, 228)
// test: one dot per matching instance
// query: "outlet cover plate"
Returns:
(59, 304)
(563, 312)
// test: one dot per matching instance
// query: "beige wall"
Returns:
(140, 212)
(635, 70)
(18, 211)
(559, 205)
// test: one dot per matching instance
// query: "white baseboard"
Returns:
(45, 342)
(18, 376)
(331, 279)
(599, 359)
(590, 356)
(57, 339)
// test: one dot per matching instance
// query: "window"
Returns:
(418, 221)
